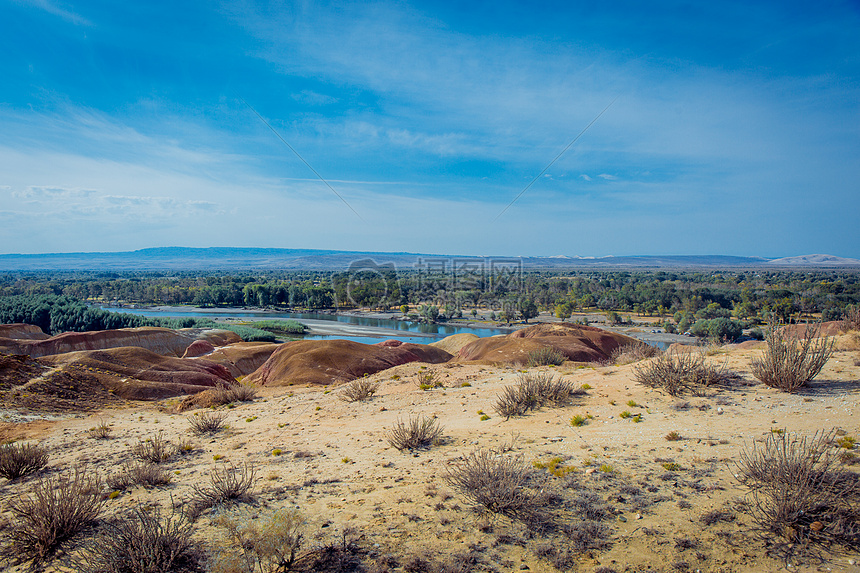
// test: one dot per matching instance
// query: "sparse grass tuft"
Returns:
(789, 363)
(359, 390)
(101, 431)
(418, 432)
(57, 508)
(578, 420)
(846, 442)
(673, 436)
(18, 460)
(428, 379)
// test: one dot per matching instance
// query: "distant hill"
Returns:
(238, 258)
(816, 261)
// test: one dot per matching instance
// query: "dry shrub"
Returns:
(225, 394)
(226, 485)
(359, 390)
(532, 391)
(342, 555)
(634, 352)
(800, 493)
(789, 362)
(17, 460)
(207, 423)
(58, 508)
(545, 356)
(140, 473)
(418, 432)
(146, 543)
(269, 542)
(426, 562)
(716, 516)
(500, 484)
(677, 372)
(851, 318)
(154, 450)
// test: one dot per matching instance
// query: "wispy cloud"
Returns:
(54, 9)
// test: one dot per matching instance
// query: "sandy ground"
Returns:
(336, 466)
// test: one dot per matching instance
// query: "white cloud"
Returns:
(608, 177)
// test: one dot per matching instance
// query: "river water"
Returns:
(326, 326)
(366, 329)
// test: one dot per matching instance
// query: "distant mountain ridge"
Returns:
(253, 258)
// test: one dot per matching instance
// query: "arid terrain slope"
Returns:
(654, 474)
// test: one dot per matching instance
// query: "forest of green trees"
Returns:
(701, 301)
(61, 313)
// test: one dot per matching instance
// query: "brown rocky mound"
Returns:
(327, 361)
(576, 342)
(139, 374)
(159, 340)
(18, 369)
(21, 331)
(242, 358)
(198, 348)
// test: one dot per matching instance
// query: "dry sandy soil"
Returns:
(336, 466)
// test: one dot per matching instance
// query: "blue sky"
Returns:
(735, 129)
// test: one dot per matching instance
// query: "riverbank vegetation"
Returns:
(715, 304)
